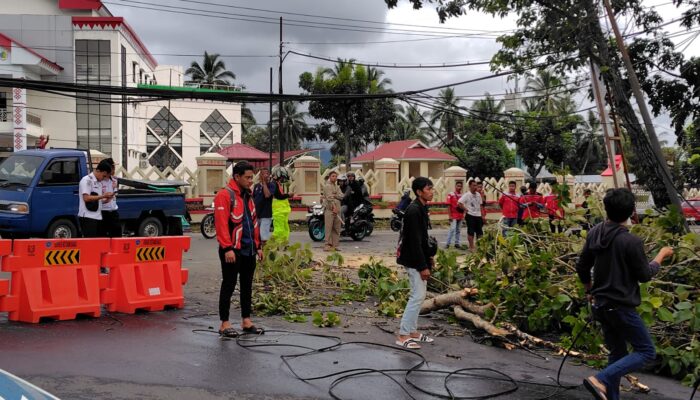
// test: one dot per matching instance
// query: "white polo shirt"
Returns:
(89, 185)
(110, 185)
(472, 202)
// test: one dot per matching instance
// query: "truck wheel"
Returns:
(62, 229)
(150, 227)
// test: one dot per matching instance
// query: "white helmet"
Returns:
(280, 173)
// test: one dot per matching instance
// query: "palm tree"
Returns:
(211, 72)
(294, 123)
(446, 113)
(547, 85)
(489, 109)
(589, 141)
(340, 66)
(382, 84)
(247, 119)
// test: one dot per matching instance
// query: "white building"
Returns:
(81, 41)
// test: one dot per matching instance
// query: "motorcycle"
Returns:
(207, 227)
(396, 222)
(360, 225)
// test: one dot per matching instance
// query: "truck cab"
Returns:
(39, 198)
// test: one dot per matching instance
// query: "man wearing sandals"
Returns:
(619, 265)
(413, 254)
(238, 234)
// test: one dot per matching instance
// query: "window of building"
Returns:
(93, 66)
(146, 80)
(215, 133)
(164, 140)
(134, 68)
(140, 76)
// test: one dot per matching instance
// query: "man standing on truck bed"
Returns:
(90, 200)
(111, 226)
(238, 235)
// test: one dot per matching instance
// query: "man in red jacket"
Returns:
(510, 205)
(238, 234)
(456, 215)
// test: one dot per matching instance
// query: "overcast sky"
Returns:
(179, 33)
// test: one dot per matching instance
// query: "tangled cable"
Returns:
(410, 375)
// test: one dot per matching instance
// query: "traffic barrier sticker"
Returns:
(61, 257)
(150, 253)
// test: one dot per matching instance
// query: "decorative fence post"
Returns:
(453, 175)
(387, 170)
(307, 179)
(212, 175)
(515, 174)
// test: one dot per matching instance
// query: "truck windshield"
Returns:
(19, 170)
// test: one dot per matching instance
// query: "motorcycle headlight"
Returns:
(20, 208)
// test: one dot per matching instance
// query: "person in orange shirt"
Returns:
(554, 211)
(533, 201)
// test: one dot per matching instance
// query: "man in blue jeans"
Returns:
(414, 253)
(619, 265)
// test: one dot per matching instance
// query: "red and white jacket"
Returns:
(510, 204)
(455, 211)
(228, 222)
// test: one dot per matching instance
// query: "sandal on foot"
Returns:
(594, 388)
(253, 330)
(422, 339)
(408, 344)
(228, 333)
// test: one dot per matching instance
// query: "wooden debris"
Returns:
(478, 322)
(453, 298)
(529, 340)
(636, 385)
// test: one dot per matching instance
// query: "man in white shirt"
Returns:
(90, 199)
(471, 202)
(111, 227)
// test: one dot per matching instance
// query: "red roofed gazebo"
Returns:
(415, 158)
(242, 152)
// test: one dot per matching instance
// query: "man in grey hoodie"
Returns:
(619, 264)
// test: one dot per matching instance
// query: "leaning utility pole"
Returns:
(597, 94)
(280, 108)
(644, 111)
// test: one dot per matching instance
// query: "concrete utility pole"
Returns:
(280, 109)
(597, 93)
(269, 126)
(646, 116)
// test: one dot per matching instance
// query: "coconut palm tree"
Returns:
(446, 113)
(547, 86)
(294, 122)
(376, 76)
(339, 68)
(247, 119)
(211, 72)
(489, 109)
(590, 143)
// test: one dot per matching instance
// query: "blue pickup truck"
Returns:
(39, 198)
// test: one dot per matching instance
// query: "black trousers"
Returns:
(245, 267)
(111, 227)
(90, 228)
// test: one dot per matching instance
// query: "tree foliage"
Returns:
(566, 36)
(212, 71)
(294, 122)
(364, 121)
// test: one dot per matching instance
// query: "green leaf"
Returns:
(665, 315)
(684, 306)
(656, 302)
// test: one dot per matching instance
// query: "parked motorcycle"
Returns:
(396, 222)
(360, 225)
(207, 227)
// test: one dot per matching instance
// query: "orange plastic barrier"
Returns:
(56, 279)
(145, 274)
(5, 250)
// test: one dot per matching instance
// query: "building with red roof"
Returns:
(259, 159)
(415, 158)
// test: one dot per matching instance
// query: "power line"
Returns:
(396, 65)
(277, 12)
(271, 20)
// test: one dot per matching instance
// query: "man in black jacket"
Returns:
(414, 254)
(619, 265)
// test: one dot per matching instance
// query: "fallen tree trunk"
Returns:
(527, 339)
(450, 299)
(478, 322)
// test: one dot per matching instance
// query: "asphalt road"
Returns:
(175, 354)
